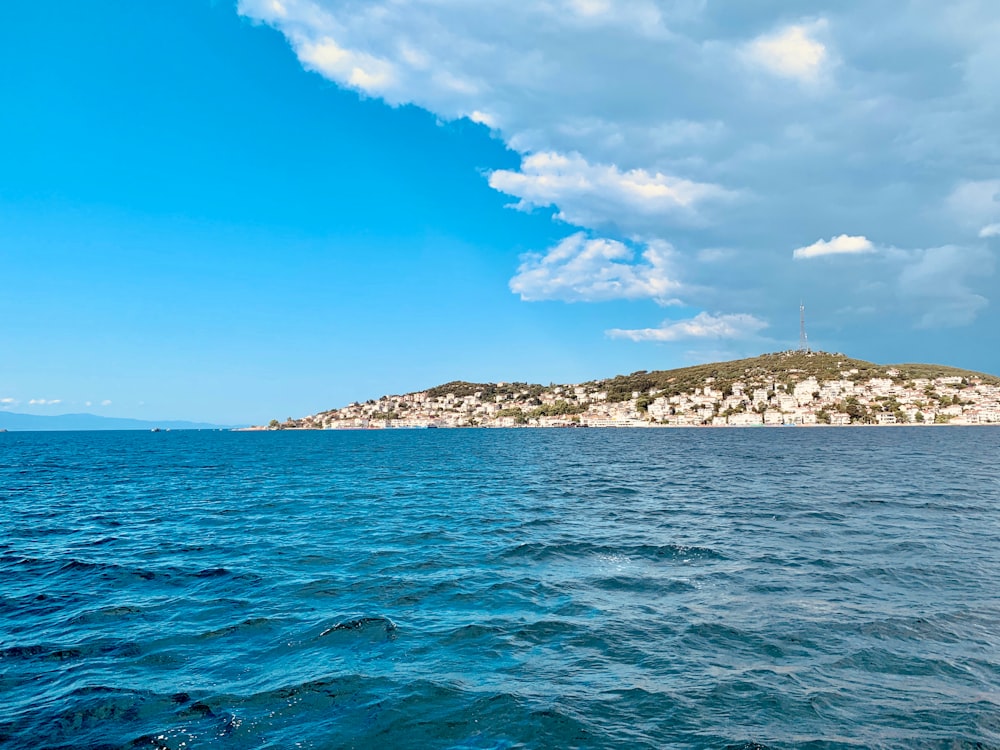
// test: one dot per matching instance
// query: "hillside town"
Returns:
(848, 392)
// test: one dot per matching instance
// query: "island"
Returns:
(801, 388)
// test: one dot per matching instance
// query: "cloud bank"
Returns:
(936, 282)
(696, 126)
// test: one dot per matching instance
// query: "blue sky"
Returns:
(233, 212)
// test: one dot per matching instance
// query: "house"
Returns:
(746, 419)
(773, 417)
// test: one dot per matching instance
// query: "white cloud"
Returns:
(354, 69)
(106, 402)
(840, 245)
(990, 230)
(594, 195)
(579, 269)
(8, 401)
(791, 52)
(701, 326)
(483, 118)
(44, 402)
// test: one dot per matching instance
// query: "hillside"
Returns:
(782, 388)
(782, 367)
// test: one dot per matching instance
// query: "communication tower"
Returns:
(803, 338)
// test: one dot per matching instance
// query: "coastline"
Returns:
(647, 426)
(798, 388)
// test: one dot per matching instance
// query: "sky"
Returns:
(236, 211)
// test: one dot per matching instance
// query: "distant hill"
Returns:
(780, 366)
(13, 421)
(792, 387)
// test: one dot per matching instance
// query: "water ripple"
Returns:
(739, 589)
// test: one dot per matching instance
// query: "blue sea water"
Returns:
(754, 588)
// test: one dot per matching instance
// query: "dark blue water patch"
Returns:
(779, 589)
(48, 652)
(370, 626)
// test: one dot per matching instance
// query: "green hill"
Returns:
(781, 367)
(774, 372)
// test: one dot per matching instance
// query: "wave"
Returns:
(652, 552)
(46, 652)
(649, 592)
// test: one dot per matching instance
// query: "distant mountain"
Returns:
(13, 421)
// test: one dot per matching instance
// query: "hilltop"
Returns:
(793, 387)
(786, 367)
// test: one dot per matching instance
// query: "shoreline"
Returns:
(802, 389)
(411, 428)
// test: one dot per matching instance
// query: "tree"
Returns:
(274, 424)
(517, 414)
(856, 410)
(558, 409)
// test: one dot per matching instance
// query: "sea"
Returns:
(741, 589)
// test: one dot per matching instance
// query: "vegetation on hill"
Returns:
(461, 389)
(782, 368)
(913, 371)
(700, 394)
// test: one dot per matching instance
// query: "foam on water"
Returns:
(741, 589)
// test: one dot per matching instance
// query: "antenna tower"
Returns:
(803, 338)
